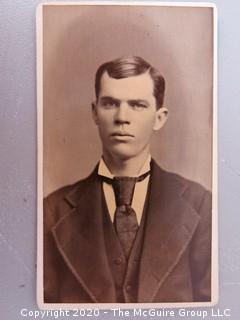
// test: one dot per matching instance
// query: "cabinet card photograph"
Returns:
(127, 155)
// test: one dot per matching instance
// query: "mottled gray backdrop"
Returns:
(178, 41)
(18, 157)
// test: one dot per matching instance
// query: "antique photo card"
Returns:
(127, 155)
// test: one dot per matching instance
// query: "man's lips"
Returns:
(121, 134)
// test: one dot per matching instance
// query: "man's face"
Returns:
(126, 115)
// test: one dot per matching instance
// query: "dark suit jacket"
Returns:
(176, 257)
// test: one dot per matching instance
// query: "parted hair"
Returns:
(128, 67)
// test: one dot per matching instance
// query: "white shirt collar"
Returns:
(104, 171)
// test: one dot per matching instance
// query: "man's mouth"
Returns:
(121, 134)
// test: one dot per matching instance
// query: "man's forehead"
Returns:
(134, 86)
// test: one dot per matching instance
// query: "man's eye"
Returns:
(138, 106)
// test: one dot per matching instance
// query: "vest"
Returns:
(124, 273)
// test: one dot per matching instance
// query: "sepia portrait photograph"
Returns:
(127, 145)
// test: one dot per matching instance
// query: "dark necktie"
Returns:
(125, 219)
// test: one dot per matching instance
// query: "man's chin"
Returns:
(122, 153)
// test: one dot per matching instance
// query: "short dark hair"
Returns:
(128, 67)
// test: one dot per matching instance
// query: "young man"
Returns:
(130, 232)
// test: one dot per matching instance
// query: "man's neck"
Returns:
(125, 167)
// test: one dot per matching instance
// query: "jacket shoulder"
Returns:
(58, 203)
(60, 194)
(192, 192)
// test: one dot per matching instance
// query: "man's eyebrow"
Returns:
(109, 99)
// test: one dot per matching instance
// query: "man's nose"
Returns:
(122, 114)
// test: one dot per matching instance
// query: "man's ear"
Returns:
(94, 113)
(161, 118)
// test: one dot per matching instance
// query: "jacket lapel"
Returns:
(171, 222)
(80, 240)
